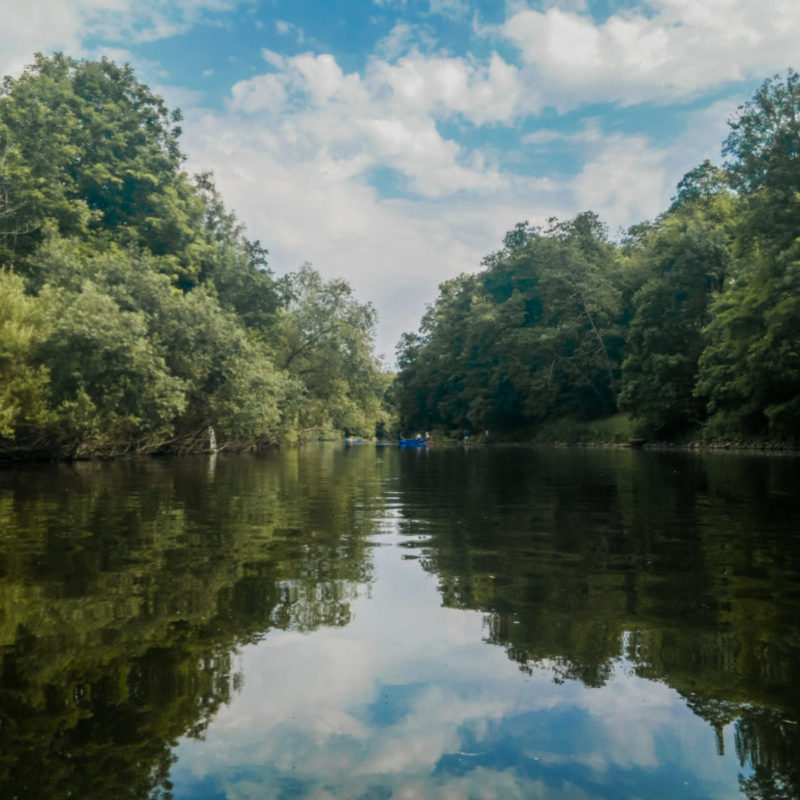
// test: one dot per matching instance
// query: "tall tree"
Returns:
(93, 150)
(534, 334)
(763, 150)
(750, 370)
(325, 338)
(684, 259)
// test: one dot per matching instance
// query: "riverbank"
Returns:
(618, 431)
(602, 435)
(12, 452)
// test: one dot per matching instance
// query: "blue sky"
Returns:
(393, 142)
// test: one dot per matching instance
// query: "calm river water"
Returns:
(370, 623)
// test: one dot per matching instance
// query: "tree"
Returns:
(24, 383)
(534, 334)
(99, 153)
(701, 183)
(763, 150)
(750, 371)
(109, 380)
(325, 341)
(685, 258)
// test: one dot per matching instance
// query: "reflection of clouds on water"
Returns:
(408, 701)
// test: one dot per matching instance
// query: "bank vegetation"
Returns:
(685, 329)
(135, 313)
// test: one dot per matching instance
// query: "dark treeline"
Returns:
(689, 326)
(134, 311)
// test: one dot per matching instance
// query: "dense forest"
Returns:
(687, 328)
(134, 311)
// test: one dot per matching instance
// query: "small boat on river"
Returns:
(419, 441)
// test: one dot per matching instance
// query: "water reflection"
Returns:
(375, 623)
(687, 567)
(126, 589)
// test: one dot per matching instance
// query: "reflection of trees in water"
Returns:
(771, 745)
(126, 589)
(685, 566)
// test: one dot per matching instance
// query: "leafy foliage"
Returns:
(689, 324)
(535, 333)
(686, 259)
(136, 311)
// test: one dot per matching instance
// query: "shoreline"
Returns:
(22, 456)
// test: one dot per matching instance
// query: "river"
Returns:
(368, 622)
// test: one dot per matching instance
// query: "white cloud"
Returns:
(678, 50)
(625, 180)
(448, 86)
(46, 25)
(147, 20)
(404, 37)
(440, 86)
(543, 136)
(256, 94)
(27, 27)
(285, 28)
(387, 118)
(589, 133)
(273, 58)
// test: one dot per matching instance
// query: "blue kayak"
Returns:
(419, 442)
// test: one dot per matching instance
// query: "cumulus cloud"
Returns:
(418, 84)
(624, 180)
(349, 123)
(672, 50)
(44, 25)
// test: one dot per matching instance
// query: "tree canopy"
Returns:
(136, 313)
(688, 324)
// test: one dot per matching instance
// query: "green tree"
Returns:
(24, 383)
(109, 380)
(685, 257)
(95, 151)
(325, 341)
(763, 150)
(535, 334)
(750, 370)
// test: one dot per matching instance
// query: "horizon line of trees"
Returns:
(134, 311)
(690, 324)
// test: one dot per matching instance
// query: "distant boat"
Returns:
(419, 441)
(352, 440)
